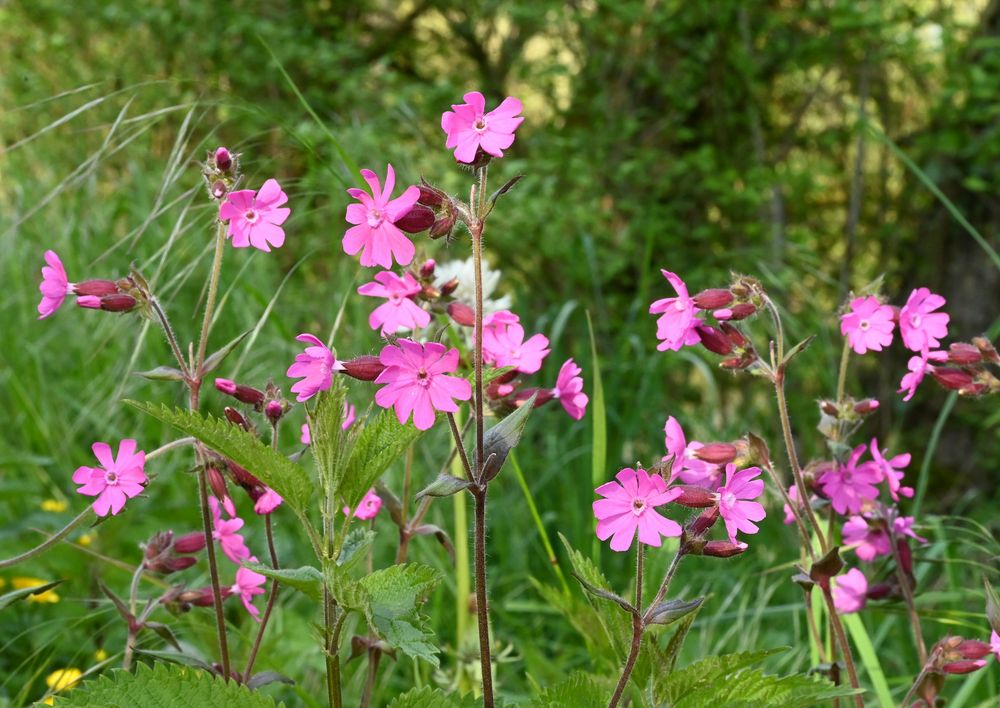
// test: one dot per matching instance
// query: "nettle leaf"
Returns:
(381, 441)
(395, 595)
(579, 689)
(306, 579)
(751, 688)
(504, 437)
(357, 542)
(164, 685)
(427, 697)
(330, 442)
(12, 597)
(275, 470)
(347, 591)
(213, 360)
(671, 687)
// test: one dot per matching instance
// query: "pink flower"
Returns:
(676, 325)
(504, 345)
(736, 505)
(686, 466)
(374, 220)
(400, 312)
(501, 317)
(349, 415)
(367, 508)
(921, 327)
(849, 485)
(793, 494)
(892, 471)
(569, 390)
(868, 326)
(417, 381)
(248, 584)
(849, 591)
(629, 504)
(315, 366)
(117, 480)
(995, 644)
(306, 438)
(469, 128)
(267, 502)
(919, 367)
(255, 219)
(869, 541)
(54, 286)
(225, 532)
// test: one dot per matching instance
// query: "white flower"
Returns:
(466, 290)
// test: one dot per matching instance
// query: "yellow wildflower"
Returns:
(21, 583)
(100, 655)
(54, 505)
(63, 678)
(86, 539)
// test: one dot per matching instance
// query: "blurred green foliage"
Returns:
(702, 137)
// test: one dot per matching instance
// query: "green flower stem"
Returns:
(638, 626)
(213, 289)
(168, 331)
(845, 357)
(841, 637)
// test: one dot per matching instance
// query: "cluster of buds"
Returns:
(434, 211)
(728, 341)
(221, 171)
(693, 539)
(968, 368)
(123, 295)
(270, 402)
(840, 419)
(160, 553)
(955, 655)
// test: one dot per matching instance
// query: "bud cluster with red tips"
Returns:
(160, 552)
(221, 171)
(968, 370)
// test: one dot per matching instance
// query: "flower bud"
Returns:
(203, 597)
(216, 482)
(244, 394)
(430, 196)
(880, 591)
(714, 340)
(739, 311)
(829, 408)
(712, 299)
(905, 555)
(964, 354)
(866, 407)
(735, 336)
(443, 226)
(172, 564)
(723, 549)
(108, 303)
(218, 190)
(98, 288)
(237, 418)
(973, 649)
(417, 219)
(429, 292)
(987, 349)
(223, 159)
(696, 497)
(427, 268)
(544, 396)
(158, 544)
(739, 362)
(462, 314)
(952, 379)
(363, 368)
(963, 667)
(449, 287)
(190, 542)
(274, 410)
(704, 521)
(716, 453)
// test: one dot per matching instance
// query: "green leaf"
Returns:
(162, 373)
(213, 360)
(12, 597)
(672, 610)
(165, 686)
(381, 441)
(444, 486)
(605, 594)
(306, 579)
(395, 595)
(357, 542)
(676, 642)
(272, 468)
(752, 688)
(347, 591)
(671, 687)
(579, 689)
(503, 437)
(798, 349)
(427, 697)
(330, 442)
(599, 449)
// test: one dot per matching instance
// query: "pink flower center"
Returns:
(846, 477)
(727, 499)
(395, 298)
(916, 320)
(638, 506)
(480, 125)
(111, 478)
(251, 216)
(864, 325)
(423, 378)
(680, 305)
(375, 218)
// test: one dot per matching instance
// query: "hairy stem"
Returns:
(213, 567)
(213, 288)
(665, 585)
(374, 656)
(272, 596)
(841, 636)
(168, 331)
(50, 541)
(845, 357)
(904, 584)
(460, 446)
(638, 626)
(482, 602)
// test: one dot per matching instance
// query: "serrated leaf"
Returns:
(751, 688)
(672, 610)
(348, 593)
(266, 677)
(428, 697)
(165, 686)
(503, 437)
(15, 595)
(307, 580)
(162, 373)
(357, 542)
(579, 689)
(444, 486)
(272, 468)
(176, 658)
(395, 595)
(213, 360)
(330, 442)
(669, 688)
(381, 441)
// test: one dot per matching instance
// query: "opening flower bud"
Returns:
(427, 269)
(964, 354)
(704, 521)
(449, 287)
(91, 302)
(462, 314)
(740, 311)
(866, 407)
(244, 394)
(418, 219)
(218, 189)
(363, 368)
(723, 549)
(223, 159)
(714, 340)
(274, 410)
(973, 649)
(98, 288)
(712, 299)
(695, 497)
(190, 542)
(951, 379)
(108, 303)
(717, 453)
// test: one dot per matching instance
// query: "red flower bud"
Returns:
(973, 649)
(243, 478)
(429, 292)
(696, 497)
(274, 410)
(427, 269)
(363, 368)
(987, 349)
(714, 340)
(218, 189)
(449, 287)
(462, 314)
(172, 565)
(443, 226)
(740, 311)
(190, 542)
(704, 521)
(905, 555)
(217, 483)
(880, 591)
(223, 159)
(735, 336)
(866, 407)
(716, 453)
(964, 354)
(430, 196)
(236, 418)
(244, 394)
(108, 303)
(829, 408)
(712, 299)
(98, 288)
(963, 667)
(417, 219)
(723, 549)
(158, 544)
(952, 379)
